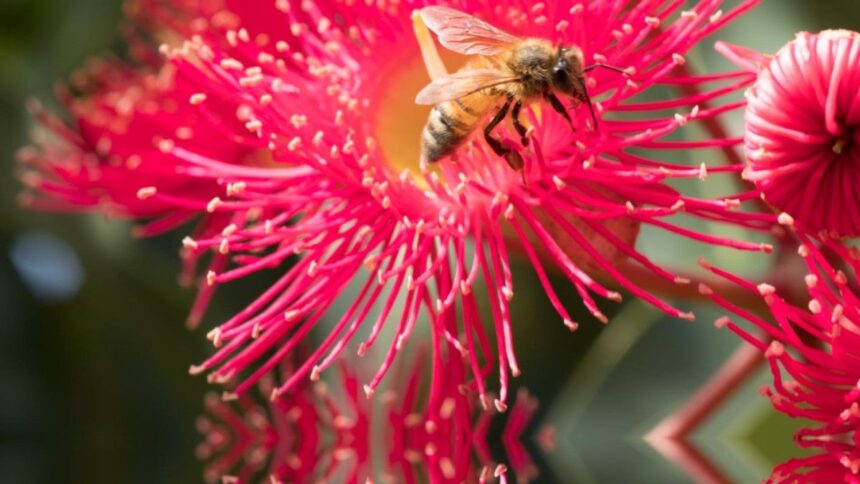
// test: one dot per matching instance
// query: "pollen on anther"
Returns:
(265, 58)
(197, 98)
(298, 120)
(785, 219)
(254, 126)
(323, 25)
(146, 192)
(189, 243)
(231, 64)
(249, 81)
(775, 350)
(814, 306)
(213, 204)
(166, 145)
(229, 230)
(631, 209)
(318, 138)
(236, 188)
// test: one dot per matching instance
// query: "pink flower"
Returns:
(803, 131)
(328, 88)
(126, 124)
(330, 431)
(814, 356)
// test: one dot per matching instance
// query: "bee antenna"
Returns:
(588, 101)
(605, 66)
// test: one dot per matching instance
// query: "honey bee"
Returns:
(504, 67)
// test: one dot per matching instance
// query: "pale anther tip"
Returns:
(146, 192)
(765, 289)
(785, 219)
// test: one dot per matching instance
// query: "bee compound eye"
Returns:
(560, 74)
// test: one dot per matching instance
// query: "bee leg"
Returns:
(513, 158)
(558, 107)
(515, 115)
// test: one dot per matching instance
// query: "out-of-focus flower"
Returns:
(127, 126)
(327, 88)
(803, 130)
(814, 356)
(328, 430)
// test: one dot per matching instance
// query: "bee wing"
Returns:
(464, 33)
(462, 83)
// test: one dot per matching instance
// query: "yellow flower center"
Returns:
(400, 120)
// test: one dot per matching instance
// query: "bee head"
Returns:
(567, 72)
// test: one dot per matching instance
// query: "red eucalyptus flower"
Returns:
(814, 356)
(314, 99)
(803, 131)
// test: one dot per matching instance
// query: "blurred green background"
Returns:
(94, 353)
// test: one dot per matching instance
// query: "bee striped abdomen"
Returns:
(449, 124)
